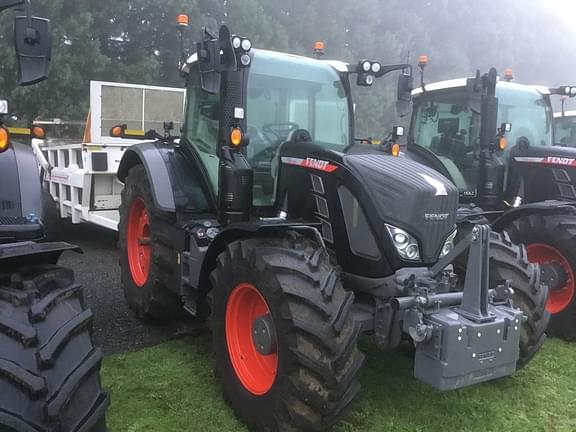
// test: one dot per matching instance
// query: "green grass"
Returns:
(172, 387)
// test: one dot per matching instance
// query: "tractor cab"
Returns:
(445, 127)
(284, 93)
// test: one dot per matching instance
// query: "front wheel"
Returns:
(283, 334)
(509, 262)
(551, 241)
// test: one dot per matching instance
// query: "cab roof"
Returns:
(461, 82)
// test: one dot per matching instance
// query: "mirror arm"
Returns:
(390, 68)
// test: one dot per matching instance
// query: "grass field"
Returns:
(172, 388)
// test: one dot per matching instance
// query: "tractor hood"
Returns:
(410, 196)
(544, 172)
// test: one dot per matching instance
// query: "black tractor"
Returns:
(266, 219)
(49, 367)
(494, 140)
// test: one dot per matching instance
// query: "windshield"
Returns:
(443, 123)
(528, 111)
(565, 131)
(286, 93)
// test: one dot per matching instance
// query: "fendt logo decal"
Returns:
(436, 216)
(549, 160)
(440, 188)
(316, 164)
(560, 161)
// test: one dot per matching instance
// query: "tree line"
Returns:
(136, 41)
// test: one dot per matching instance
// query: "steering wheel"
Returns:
(280, 130)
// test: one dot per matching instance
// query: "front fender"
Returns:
(237, 231)
(542, 207)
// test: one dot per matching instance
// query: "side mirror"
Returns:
(404, 94)
(33, 47)
(6, 4)
(3, 106)
(474, 90)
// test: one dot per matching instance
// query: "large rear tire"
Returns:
(146, 243)
(552, 239)
(49, 367)
(305, 376)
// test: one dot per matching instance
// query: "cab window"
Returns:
(444, 125)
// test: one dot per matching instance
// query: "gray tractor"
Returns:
(49, 367)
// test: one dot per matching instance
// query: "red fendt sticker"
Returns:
(316, 164)
(549, 160)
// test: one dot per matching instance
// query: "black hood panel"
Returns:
(542, 173)
(410, 196)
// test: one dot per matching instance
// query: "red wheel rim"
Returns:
(559, 299)
(138, 242)
(255, 371)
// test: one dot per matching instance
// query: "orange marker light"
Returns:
(423, 60)
(236, 137)
(395, 150)
(4, 139)
(116, 132)
(318, 49)
(38, 132)
(508, 74)
(182, 20)
(502, 143)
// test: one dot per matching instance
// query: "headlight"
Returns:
(448, 244)
(405, 244)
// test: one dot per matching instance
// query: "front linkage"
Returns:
(461, 337)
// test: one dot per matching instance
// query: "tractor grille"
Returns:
(9, 220)
(7, 204)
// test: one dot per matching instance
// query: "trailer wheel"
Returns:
(49, 367)
(147, 261)
(551, 239)
(283, 334)
(510, 262)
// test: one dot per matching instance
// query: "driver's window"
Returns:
(201, 124)
(450, 131)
